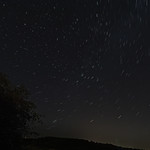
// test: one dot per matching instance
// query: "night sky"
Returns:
(86, 64)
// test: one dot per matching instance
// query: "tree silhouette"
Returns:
(15, 113)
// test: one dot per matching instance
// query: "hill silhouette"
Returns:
(55, 143)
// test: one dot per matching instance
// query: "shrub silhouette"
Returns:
(15, 113)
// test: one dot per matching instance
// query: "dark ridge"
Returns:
(68, 143)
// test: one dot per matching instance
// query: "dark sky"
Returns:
(86, 64)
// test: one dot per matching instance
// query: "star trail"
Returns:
(86, 64)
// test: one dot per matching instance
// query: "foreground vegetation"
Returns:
(16, 112)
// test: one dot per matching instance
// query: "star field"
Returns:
(86, 64)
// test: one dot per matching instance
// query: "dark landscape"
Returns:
(55, 143)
